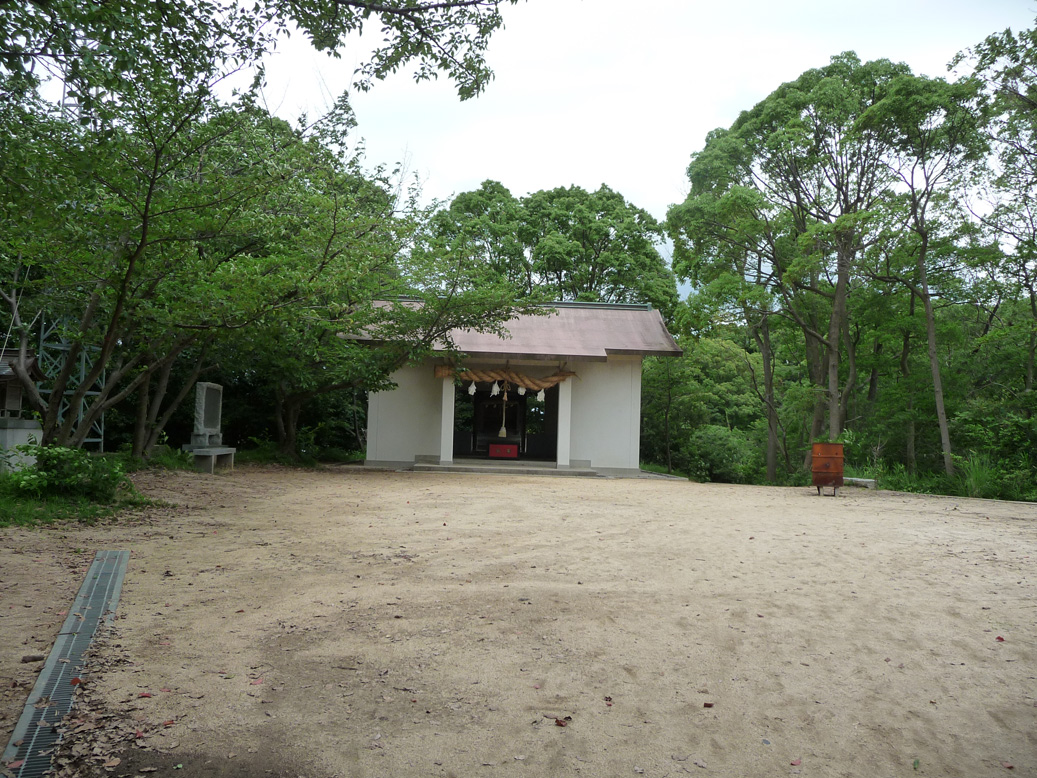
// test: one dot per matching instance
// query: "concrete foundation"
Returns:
(13, 433)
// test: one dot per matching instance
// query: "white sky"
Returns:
(622, 93)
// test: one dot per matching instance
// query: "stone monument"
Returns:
(207, 440)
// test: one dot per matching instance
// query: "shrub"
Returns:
(69, 472)
(719, 454)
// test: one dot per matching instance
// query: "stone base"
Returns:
(211, 459)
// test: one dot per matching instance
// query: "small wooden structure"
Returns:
(827, 465)
(15, 429)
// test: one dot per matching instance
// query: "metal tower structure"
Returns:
(53, 353)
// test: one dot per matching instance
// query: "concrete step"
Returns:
(505, 468)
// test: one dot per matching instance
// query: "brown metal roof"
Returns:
(587, 331)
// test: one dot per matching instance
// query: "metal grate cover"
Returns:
(51, 697)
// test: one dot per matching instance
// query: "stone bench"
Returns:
(867, 483)
(212, 458)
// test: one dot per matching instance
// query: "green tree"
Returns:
(701, 410)
(595, 247)
(104, 49)
(807, 156)
(483, 227)
(167, 232)
(782, 207)
(180, 218)
(727, 243)
(561, 244)
(929, 127)
(1006, 64)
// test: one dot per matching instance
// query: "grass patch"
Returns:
(22, 511)
(651, 467)
(65, 485)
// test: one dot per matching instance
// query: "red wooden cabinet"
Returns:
(503, 451)
(827, 465)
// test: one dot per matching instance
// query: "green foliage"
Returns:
(705, 404)
(107, 49)
(715, 453)
(154, 220)
(980, 478)
(261, 451)
(825, 233)
(69, 472)
(561, 244)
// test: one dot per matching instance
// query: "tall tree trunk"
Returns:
(1031, 352)
(817, 367)
(934, 362)
(140, 424)
(851, 373)
(288, 407)
(835, 327)
(873, 380)
(910, 460)
(290, 411)
(360, 441)
(763, 340)
(280, 413)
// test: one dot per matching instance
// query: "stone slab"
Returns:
(209, 460)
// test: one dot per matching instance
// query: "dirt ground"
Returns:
(357, 624)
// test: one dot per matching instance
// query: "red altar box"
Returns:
(503, 451)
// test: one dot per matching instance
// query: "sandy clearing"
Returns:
(351, 623)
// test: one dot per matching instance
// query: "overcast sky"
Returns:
(622, 93)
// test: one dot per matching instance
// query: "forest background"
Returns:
(860, 246)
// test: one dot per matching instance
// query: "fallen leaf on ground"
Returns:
(999, 639)
(796, 762)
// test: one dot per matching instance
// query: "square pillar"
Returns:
(565, 415)
(446, 429)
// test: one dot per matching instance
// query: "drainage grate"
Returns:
(51, 698)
